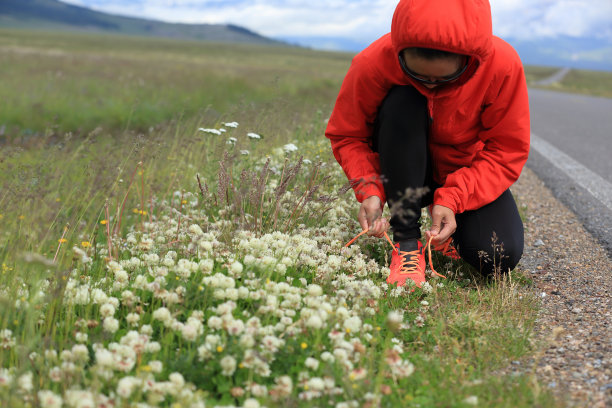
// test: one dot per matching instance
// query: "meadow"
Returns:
(172, 234)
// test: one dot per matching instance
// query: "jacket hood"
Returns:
(459, 26)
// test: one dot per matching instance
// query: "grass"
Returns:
(267, 222)
(596, 83)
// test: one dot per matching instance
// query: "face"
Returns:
(443, 70)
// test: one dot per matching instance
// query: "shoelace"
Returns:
(446, 248)
(413, 261)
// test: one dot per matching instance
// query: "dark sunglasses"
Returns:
(419, 78)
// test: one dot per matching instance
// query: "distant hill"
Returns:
(55, 15)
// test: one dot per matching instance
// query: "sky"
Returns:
(353, 24)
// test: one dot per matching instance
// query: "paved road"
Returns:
(572, 153)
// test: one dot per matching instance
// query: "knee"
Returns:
(498, 257)
(400, 97)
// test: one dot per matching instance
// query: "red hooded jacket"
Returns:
(479, 136)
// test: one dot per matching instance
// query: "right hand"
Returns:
(370, 217)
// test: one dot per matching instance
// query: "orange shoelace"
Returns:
(413, 262)
(447, 249)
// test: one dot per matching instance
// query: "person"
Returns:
(435, 114)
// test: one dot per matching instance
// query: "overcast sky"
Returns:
(365, 20)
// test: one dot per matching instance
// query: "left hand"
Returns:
(443, 224)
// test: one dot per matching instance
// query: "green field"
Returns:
(124, 279)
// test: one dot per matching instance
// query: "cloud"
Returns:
(363, 20)
(528, 19)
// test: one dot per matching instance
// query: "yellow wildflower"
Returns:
(103, 222)
(62, 240)
(85, 244)
(219, 349)
(304, 345)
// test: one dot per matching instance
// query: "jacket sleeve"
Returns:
(350, 129)
(506, 135)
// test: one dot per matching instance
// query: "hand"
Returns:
(443, 224)
(370, 217)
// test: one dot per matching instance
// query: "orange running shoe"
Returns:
(407, 265)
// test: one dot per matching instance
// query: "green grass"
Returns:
(101, 136)
(596, 83)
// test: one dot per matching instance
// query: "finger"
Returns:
(376, 228)
(445, 233)
(363, 221)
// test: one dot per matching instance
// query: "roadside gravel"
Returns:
(572, 274)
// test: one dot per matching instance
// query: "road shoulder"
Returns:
(573, 275)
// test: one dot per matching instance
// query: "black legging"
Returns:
(484, 235)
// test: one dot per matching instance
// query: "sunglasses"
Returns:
(422, 80)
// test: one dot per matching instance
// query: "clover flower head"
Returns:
(213, 131)
(290, 147)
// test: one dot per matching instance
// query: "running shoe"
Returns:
(407, 265)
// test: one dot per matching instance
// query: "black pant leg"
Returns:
(492, 236)
(400, 138)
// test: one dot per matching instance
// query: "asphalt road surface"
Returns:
(571, 151)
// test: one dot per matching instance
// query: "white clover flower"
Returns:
(79, 399)
(55, 375)
(146, 329)
(290, 147)
(126, 386)
(5, 377)
(251, 403)
(48, 399)
(213, 131)
(231, 124)
(315, 290)
(252, 135)
(111, 324)
(156, 366)
(244, 152)
(177, 380)
(152, 347)
(7, 340)
(471, 400)
(394, 320)
(259, 390)
(236, 268)
(427, 287)
(231, 141)
(316, 384)
(80, 353)
(215, 322)
(121, 276)
(163, 315)
(107, 310)
(247, 341)
(132, 319)
(327, 357)
(311, 363)
(314, 322)
(228, 365)
(104, 357)
(25, 382)
(353, 324)
(204, 353)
